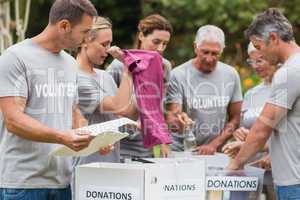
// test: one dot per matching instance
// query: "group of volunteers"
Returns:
(47, 94)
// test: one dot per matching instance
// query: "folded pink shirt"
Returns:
(147, 73)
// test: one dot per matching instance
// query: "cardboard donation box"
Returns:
(171, 180)
(229, 185)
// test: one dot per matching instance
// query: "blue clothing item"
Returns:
(35, 194)
(290, 192)
(239, 195)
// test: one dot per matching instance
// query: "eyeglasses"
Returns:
(252, 62)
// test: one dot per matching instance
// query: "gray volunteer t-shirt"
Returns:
(48, 82)
(254, 101)
(285, 140)
(133, 146)
(204, 97)
(91, 91)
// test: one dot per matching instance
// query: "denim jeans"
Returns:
(291, 192)
(35, 194)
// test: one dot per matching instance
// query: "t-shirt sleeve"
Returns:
(13, 79)
(174, 91)
(115, 69)
(76, 98)
(237, 92)
(90, 94)
(167, 70)
(113, 86)
(285, 87)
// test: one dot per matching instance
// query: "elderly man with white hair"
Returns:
(208, 92)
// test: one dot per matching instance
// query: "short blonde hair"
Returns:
(99, 23)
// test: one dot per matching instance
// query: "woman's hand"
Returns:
(116, 52)
(165, 150)
(106, 150)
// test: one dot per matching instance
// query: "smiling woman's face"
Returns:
(262, 67)
(155, 41)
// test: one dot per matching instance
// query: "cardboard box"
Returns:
(228, 185)
(170, 180)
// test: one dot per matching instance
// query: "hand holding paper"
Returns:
(105, 134)
(77, 139)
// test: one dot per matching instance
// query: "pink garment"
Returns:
(147, 73)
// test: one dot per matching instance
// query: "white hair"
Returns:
(251, 48)
(210, 33)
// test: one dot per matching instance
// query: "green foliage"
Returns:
(124, 17)
(233, 16)
(186, 16)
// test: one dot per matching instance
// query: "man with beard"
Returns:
(207, 91)
(38, 95)
(272, 34)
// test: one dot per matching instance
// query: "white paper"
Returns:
(109, 126)
(105, 133)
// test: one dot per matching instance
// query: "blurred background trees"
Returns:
(14, 18)
(186, 16)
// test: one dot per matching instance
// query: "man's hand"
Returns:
(233, 165)
(76, 139)
(232, 149)
(241, 134)
(183, 121)
(264, 162)
(206, 149)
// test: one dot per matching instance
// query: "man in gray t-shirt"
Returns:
(272, 34)
(38, 96)
(207, 91)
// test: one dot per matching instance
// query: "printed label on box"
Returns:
(231, 183)
(108, 193)
(184, 188)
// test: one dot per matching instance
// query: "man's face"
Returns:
(267, 49)
(208, 54)
(77, 34)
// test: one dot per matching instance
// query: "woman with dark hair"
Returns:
(154, 33)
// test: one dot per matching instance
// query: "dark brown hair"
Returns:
(149, 24)
(71, 10)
